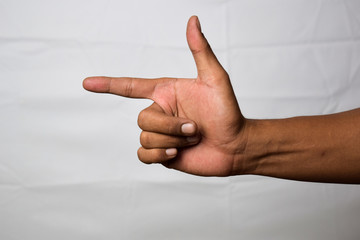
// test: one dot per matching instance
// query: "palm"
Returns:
(218, 117)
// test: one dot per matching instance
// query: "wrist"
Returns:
(259, 142)
(245, 159)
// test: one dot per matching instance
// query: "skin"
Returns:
(196, 126)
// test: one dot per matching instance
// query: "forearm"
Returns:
(314, 148)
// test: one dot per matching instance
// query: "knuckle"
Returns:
(139, 154)
(128, 88)
(145, 139)
(142, 156)
(149, 156)
(142, 118)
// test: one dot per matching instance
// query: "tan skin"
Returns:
(222, 142)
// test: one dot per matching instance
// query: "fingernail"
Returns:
(188, 128)
(192, 139)
(171, 151)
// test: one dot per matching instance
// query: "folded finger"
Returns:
(156, 155)
(154, 119)
(157, 140)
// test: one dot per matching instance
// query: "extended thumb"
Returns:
(205, 59)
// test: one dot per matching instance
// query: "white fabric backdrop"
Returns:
(68, 164)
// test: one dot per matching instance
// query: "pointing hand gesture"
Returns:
(194, 125)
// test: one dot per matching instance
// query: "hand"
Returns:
(194, 125)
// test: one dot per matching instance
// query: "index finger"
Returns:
(123, 86)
